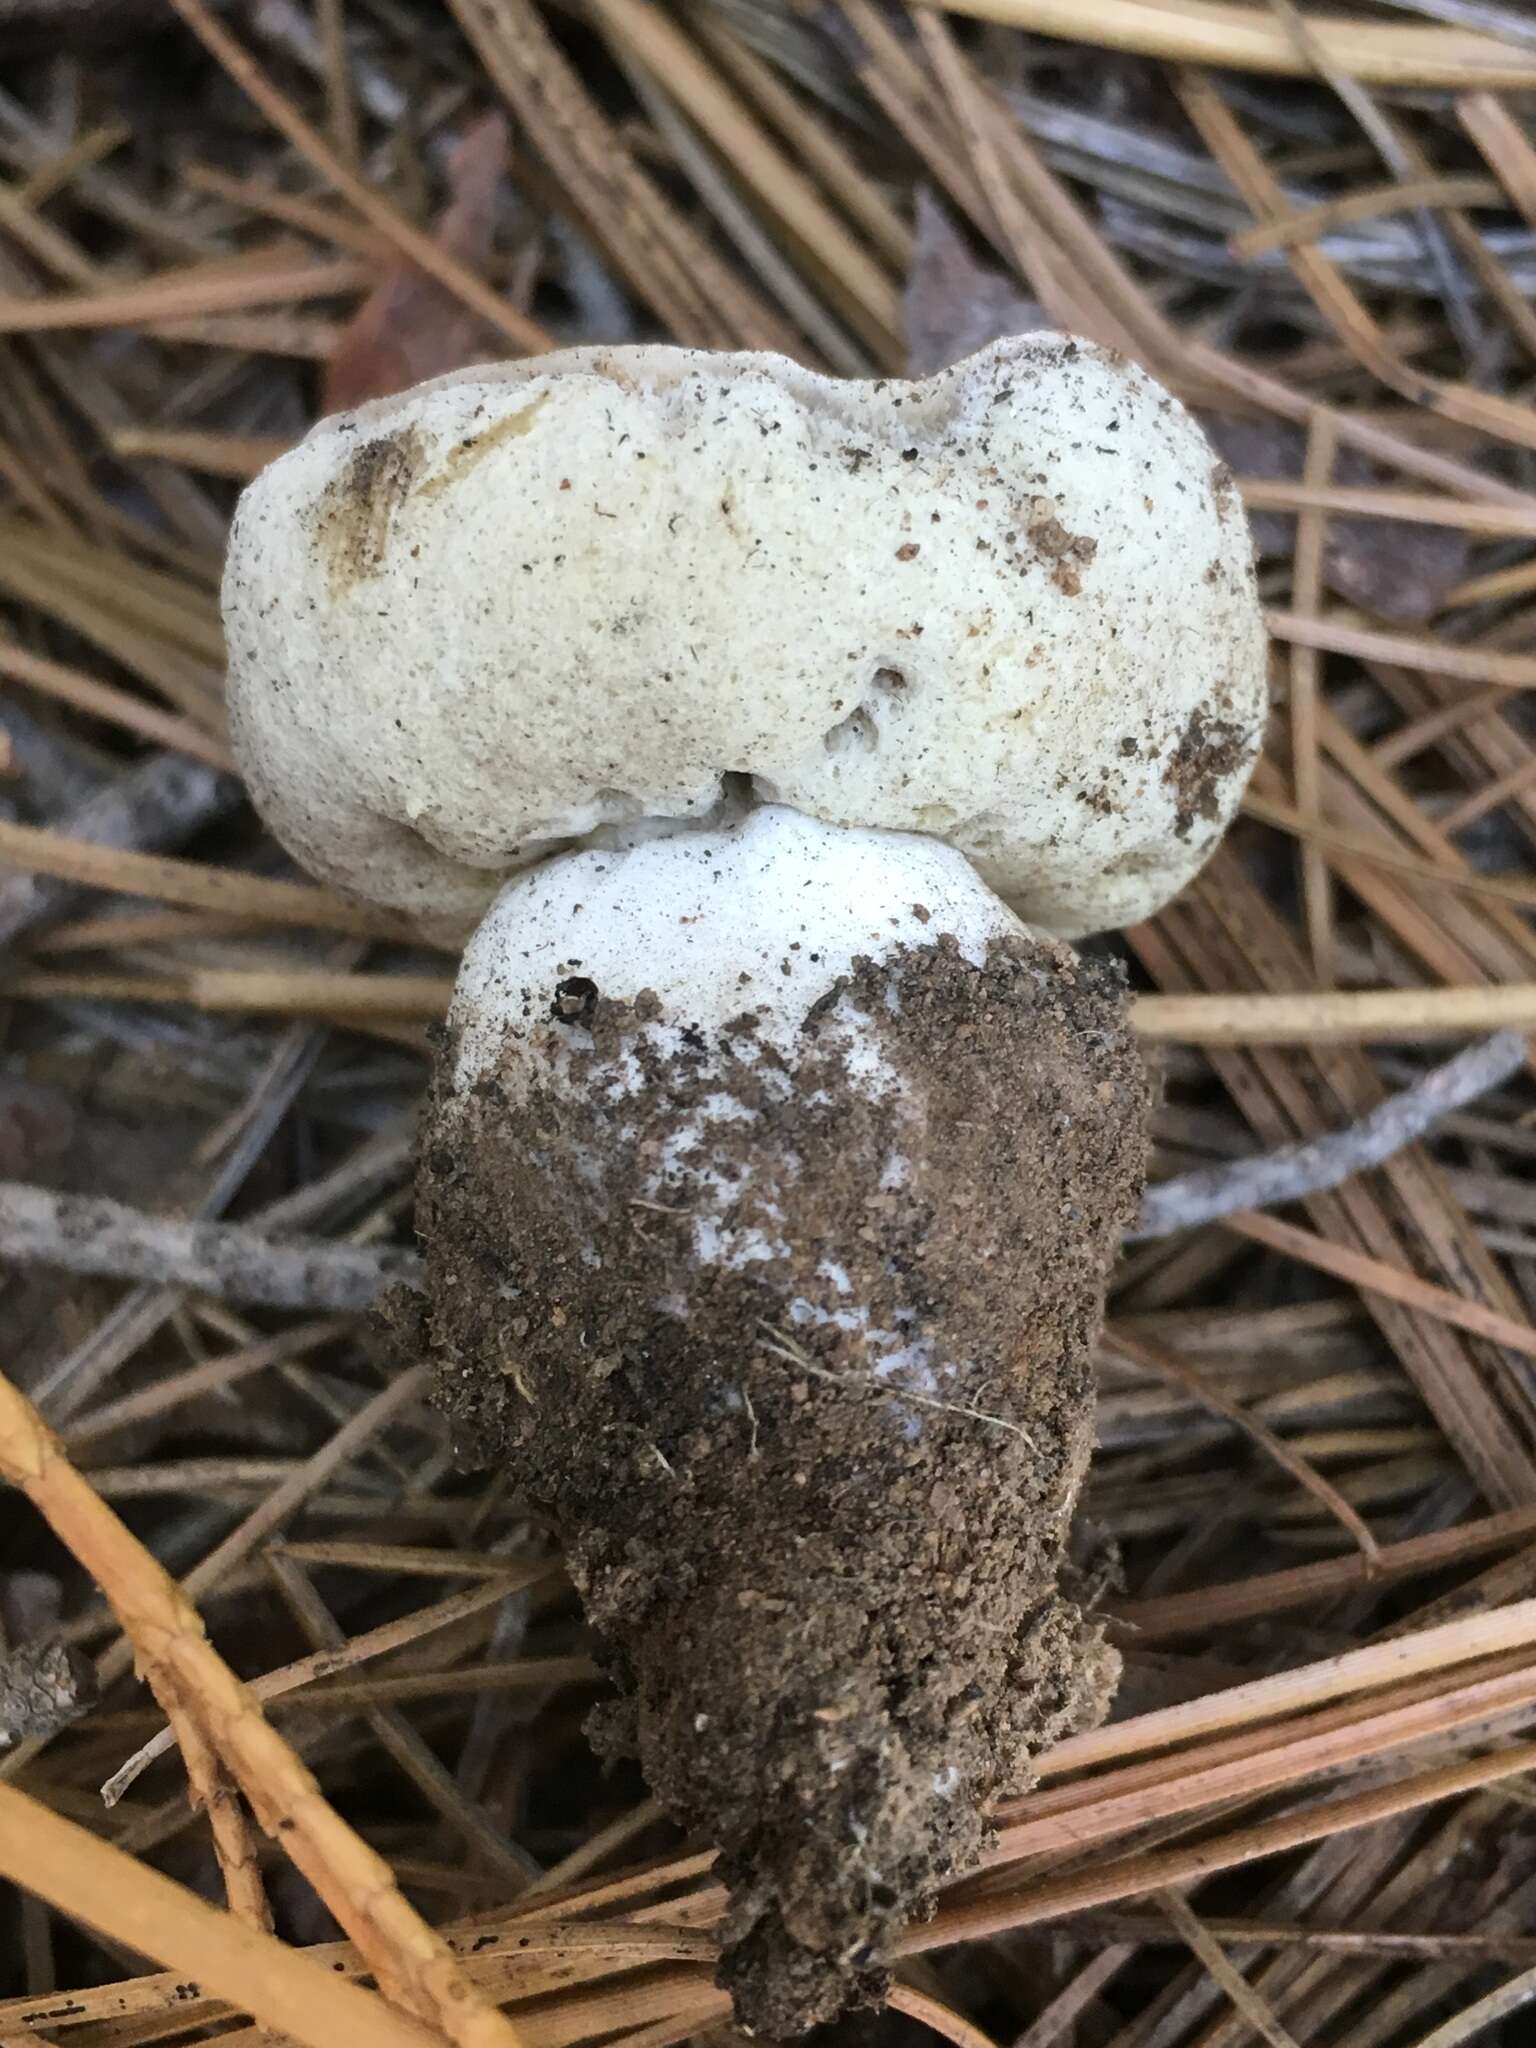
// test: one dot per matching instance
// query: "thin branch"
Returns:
(1367, 1016)
(85, 1234)
(117, 706)
(1306, 667)
(1298, 1170)
(199, 885)
(941, 2018)
(1244, 38)
(1334, 635)
(1211, 1608)
(215, 1793)
(1055, 2023)
(214, 1375)
(322, 1664)
(1394, 1944)
(1383, 1277)
(384, 1002)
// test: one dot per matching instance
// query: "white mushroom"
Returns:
(774, 1165)
(1011, 607)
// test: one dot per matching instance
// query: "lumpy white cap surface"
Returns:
(763, 917)
(1011, 606)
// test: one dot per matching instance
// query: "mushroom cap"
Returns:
(1011, 606)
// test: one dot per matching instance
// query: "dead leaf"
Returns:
(410, 327)
(1399, 571)
(955, 304)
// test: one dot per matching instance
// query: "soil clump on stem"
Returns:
(797, 1351)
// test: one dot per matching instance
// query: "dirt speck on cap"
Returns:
(1068, 553)
(1224, 491)
(801, 1365)
(1209, 753)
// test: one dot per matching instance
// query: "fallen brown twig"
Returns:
(412, 1965)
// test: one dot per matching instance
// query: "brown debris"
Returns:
(1068, 553)
(1209, 752)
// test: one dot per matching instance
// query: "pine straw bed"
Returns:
(1313, 1512)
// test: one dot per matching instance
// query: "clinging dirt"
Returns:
(797, 1351)
(1209, 752)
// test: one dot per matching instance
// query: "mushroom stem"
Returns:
(769, 1188)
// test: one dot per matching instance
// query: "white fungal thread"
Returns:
(779, 1344)
(893, 1353)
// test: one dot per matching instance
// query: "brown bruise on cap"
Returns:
(354, 513)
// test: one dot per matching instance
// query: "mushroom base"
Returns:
(796, 1350)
